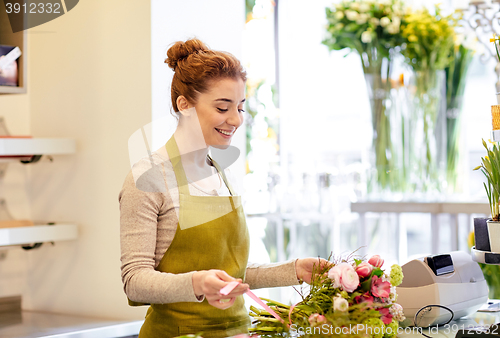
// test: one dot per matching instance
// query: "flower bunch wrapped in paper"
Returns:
(349, 298)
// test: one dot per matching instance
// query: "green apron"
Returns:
(220, 243)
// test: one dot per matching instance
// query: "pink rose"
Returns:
(350, 280)
(376, 261)
(380, 288)
(316, 319)
(364, 269)
(385, 315)
(344, 275)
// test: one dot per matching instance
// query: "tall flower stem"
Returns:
(452, 147)
(456, 74)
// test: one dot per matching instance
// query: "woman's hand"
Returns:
(304, 267)
(209, 283)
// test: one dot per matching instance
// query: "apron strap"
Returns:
(221, 172)
(175, 158)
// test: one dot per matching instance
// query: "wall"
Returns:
(90, 78)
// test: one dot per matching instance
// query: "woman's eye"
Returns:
(222, 110)
(241, 110)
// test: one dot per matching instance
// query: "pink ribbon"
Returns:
(230, 287)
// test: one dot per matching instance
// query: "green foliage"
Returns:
(492, 276)
(377, 272)
(456, 74)
(249, 4)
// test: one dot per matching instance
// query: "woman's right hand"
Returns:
(209, 283)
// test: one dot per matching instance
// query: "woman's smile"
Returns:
(225, 133)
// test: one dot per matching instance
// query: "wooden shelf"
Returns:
(36, 146)
(37, 234)
(18, 39)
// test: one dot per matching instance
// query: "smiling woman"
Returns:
(183, 230)
(219, 110)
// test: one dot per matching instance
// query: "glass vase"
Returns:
(428, 134)
(387, 174)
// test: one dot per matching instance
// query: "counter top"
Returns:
(32, 324)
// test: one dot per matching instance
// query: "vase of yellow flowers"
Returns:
(429, 37)
(372, 29)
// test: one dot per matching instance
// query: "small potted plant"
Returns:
(490, 167)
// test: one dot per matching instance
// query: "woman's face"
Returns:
(220, 111)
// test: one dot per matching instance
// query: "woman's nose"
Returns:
(236, 118)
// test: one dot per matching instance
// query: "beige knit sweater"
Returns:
(149, 209)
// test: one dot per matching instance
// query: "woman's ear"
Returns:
(183, 105)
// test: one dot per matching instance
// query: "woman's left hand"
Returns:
(304, 267)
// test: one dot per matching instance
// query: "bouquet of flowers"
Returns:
(349, 298)
(429, 38)
(371, 28)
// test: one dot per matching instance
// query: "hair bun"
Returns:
(181, 50)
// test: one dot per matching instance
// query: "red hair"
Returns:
(195, 66)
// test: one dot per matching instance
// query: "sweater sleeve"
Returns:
(140, 211)
(271, 275)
